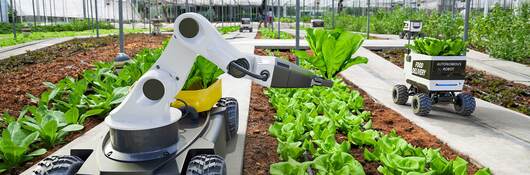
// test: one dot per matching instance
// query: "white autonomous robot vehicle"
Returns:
(434, 79)
(246, 24)
(147, 136)
(317, 23)
(411, 29)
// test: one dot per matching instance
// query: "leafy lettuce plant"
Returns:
(291, 167)
(50, 125)
(332, 51)
(338, 163)
(15, 145)
(202, 74)
(437, 47)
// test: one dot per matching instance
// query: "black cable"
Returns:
(185, 106)
(264, 75)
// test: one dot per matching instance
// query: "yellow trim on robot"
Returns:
(202, 100)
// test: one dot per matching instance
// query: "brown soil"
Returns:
(482, 85)
(284, 54)
(260, 147)
(385, 119)
(15, 84)
(55, 65)
(393, 55)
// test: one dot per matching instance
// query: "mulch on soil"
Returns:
(482, 85)
(57, 62)
(26, 73)
(260, 147)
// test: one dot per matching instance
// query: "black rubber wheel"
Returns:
(58, 165)
(206, 164)
(400, 94)
(421, 104)
(407, 35)
(240, 30)
(464, 104)
(232, 115)
(401, 35)
(250, 30)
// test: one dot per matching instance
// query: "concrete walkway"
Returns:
(232, 87)
(493, 136)
(508, 70)
(6, 52)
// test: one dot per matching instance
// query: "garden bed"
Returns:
(27, 73)
(265, 33)
(487, 87)
(260, 147)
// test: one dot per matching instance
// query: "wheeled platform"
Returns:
(203, 138)
(434, 80)
(246, 24)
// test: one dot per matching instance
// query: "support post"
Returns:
(121, 56)
(333, 14)
(14, 16)
(97, 20)
(466, 19)
(44, 12)
(34, 14)
(279, 15)
(486, 8)
(297, 46)
(368, 19)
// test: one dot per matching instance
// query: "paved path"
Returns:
(232, 87)
(493, 136)
(6, 52)
(508, 70)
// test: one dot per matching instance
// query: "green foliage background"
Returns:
(503, 34)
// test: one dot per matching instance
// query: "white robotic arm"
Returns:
(147, 105)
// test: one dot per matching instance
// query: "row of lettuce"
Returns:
(308, 121)
(268, 33)
(74, 25)
(65, 107)
(67, 104)
(504, 33)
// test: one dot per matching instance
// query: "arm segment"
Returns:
(147, 104)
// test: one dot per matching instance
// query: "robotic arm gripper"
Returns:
(147, 105)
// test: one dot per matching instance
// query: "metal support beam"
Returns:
(466, 19)
(368, 19)
(297, 46)
(121, 56)
(34, 14)
(279, 15)
(14, 16)
(97, 21)
(333, 14)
